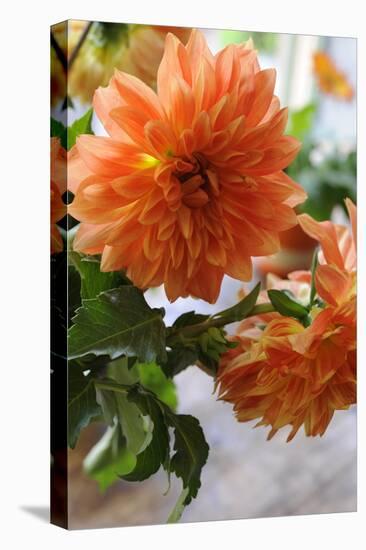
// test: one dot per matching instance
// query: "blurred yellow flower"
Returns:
(66, 35)
(135, 49)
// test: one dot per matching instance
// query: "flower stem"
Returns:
(111, 386)
(79, 44)
(218, 322)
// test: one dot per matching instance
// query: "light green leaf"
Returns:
(157, 452)
(109, 458)
(132, 424)
(301, 121)
(118, 322)
(153, 378)
(80, 126)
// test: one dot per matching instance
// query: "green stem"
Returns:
(111, 386)
(218, 322)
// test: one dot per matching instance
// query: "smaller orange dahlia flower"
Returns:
(330, 79)
(58, 187)
(188, 186)
(285, 374)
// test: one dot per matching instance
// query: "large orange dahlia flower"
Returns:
(188, 185)
(285, 374)
(58, 187)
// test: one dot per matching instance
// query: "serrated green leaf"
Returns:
(285, 305)
(190, 446)
(82, 404)
(118, 322)
(93, 280)
(109, 459)
(191, 452)
(80, 126)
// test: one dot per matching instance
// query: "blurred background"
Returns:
(245, 476)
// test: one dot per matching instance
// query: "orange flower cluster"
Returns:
(58, 187)
(285, 374)
(189, 184)
(330, 79)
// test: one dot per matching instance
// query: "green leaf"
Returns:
(109, 459)
(189, 318)
(301, 121)
(285, 305)
(60, 131)
(156, 453)
(82, 404)
(179, 358)
(243, 308)
(314, 265)
(153, 378)
(191, 452)
(80, 126)
(118, 322)
(132, 424)
(190, 446)
(94, 281)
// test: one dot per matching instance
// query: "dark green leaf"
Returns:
(189, 318)
(118, 322)
(74, 291)
(191, 452)
(82, 404)
(285, 305)
(60, 131)
(94, 281)
(80, 126)
(178, 359)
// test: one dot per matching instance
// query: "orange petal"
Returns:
(332, 284)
